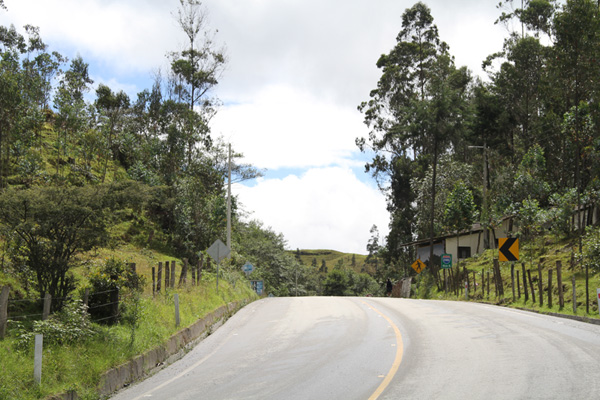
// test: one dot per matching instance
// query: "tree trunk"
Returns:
(432, 210)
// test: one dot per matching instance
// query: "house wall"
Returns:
(471, 240)
(423, 252)
(474, 240)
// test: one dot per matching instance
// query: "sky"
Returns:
(296, 72)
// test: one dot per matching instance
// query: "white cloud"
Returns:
(324, 208)
(128, 36)
(297, 70)
(286, 128)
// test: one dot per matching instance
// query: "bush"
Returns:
(71, 325)
(425, 284)
(113, 278)
(591, 249)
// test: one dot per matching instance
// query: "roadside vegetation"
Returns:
(452, 150)
(78, 350)
(92, 180)
(534, 258)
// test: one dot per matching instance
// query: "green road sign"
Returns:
(446, 261)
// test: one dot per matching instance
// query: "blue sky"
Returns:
(297, 70)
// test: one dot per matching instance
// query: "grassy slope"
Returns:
(545, 251)
(79, 366)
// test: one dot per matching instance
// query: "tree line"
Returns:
(78, 161)
(84, 166)
(532, 126)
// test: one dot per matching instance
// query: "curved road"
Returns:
(368, 348)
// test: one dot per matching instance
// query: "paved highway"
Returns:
(368, 348)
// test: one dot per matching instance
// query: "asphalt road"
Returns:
(367, 348)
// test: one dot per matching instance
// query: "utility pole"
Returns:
(229, 201)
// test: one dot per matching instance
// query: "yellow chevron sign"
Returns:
(508, 249)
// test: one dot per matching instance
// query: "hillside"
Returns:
(540, 260)
(332, 258)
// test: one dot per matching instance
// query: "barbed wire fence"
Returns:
(102, 306)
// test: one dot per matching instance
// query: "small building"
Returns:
(470, 243)
(467, 244)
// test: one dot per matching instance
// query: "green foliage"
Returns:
(265, 250)
(69, 326)
(530, 217)
(115, 275)
(425, 285)
(561, 212)
(198, 66)
(591, 245)
(336, 283)
(46, 227)
(529, 179)
(459, 212)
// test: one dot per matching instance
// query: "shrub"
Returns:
(70, 325)
(113, 276)
(591, 249)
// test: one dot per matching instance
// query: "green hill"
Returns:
(332, 258)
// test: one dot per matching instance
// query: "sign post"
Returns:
(218, 251)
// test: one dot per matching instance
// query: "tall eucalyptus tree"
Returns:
(417, 108)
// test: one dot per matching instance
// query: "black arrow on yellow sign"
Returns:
(508, 249)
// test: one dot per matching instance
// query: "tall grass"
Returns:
(79, 366)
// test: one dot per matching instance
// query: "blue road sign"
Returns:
(248, 268)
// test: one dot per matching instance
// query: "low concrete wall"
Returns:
(153, 360)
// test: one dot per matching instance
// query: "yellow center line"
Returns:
(397, 361)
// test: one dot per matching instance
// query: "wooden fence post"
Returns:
(561, 297)
(182, 277)
(167, 273)
(540, 284)
(525, 283)
(3, 310)
(193, 276)
(47, 304)
(518, 286)
(512, 277)
(488, 284)
(159, 277)
(574, 295)
(173, 264)
(153, 281)
(550, 288)
(498, 274)
(177, 310)
(200, 267)
(531, 286)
